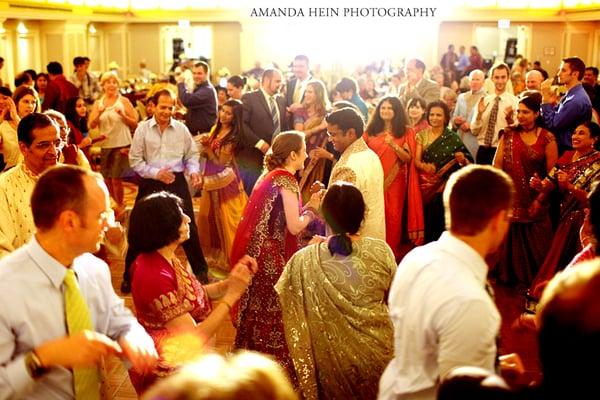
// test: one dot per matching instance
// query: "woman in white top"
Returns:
(115, 118)
(23, 103)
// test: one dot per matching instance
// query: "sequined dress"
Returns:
(262, 233)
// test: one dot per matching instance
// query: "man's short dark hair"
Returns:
(347, 118)
(301, 57)
(419, 64)
(576, 64)
(54, 68)
(500, 66)
(162, 92)
(594, 70)
(4, 91)
(203, 65)
(154, 222)
(59, 189)
(77, 61)
(346, 84)
(473, 196)
(268, 73)
(22, 78)
(32, 122)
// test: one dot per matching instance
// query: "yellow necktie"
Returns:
(86, 380)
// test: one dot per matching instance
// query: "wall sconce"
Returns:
(92, 29)
(21, 29)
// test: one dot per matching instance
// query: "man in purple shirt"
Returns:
(201, 103)
(573, 109)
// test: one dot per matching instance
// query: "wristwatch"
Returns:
(34, 365)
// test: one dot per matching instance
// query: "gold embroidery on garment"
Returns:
(174, 303)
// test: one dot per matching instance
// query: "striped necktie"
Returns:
(491, 128)
(274, 116)
(86, 380)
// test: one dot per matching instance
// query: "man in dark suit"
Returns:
(297, 85)
(417, 85)
(264, 118)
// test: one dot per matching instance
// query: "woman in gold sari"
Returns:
(439, 153)
(332, 296)
(310, 119)
(224, 199)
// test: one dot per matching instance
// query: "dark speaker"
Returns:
(178, 48)
(510, 53)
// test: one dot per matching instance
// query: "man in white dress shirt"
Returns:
(60, 315)
(442, 313)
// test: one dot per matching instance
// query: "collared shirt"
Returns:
(89, 89)
(31, 292)
(152, 150)
(466, 104)
(267, 97)
(573, 109)
(442, 316)
(16, 219)
(360, 166)
(201, 104)
(299, 89)
(479, 127)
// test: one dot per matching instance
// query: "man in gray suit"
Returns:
(263, 118)
(417, 85)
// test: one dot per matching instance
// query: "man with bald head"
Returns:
(533, 80)
(463, 112)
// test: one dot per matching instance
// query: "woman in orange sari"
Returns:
(310, 119)
(389, 137)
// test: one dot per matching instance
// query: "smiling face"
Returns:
(94, 220)
(226, 115)
(164, 110)
(44, 149)
(340, 139)
(415, 111)
(386, 111)
(500, 78)
(436, 117)
(582, 140)
(184, 229)
(111, 86)
(199, 75)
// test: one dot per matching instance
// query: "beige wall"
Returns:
(226, 47)
(144, 44)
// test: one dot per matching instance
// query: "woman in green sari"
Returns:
(439, 153)
(332, 295)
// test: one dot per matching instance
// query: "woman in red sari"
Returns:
(170, 303)
(389, 137)
(574, 175)
(524, 151)
(268, 232)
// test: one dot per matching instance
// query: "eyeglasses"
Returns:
(45, 145)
